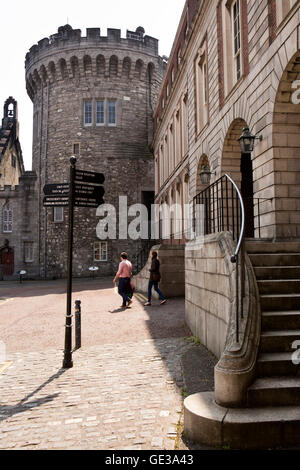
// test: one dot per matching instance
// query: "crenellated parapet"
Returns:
(67, 55)
(8, 189)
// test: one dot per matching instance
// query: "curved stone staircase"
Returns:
(271, 417)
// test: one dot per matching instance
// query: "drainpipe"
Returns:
(39, 175)
(45, 176)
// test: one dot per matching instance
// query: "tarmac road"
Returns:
(32, 315)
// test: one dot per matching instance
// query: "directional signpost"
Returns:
(88, 195)
(56, 189)
(83, 190)
(89, 177)
(56, 195)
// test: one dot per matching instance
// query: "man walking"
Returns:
(124, 274)
(154, 280)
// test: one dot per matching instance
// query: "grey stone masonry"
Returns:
(92, 96)
(23, 204)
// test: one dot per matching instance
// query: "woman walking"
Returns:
(154, 280)
(124, 274)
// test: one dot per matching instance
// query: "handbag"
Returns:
(156, 277)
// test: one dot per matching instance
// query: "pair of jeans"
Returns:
(155, 285)
(123, 289)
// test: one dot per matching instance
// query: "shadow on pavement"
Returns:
(24, 405)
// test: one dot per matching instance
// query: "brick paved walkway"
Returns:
(119, 395)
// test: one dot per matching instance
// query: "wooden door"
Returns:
(7, 262)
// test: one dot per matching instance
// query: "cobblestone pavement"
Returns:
(125, 390)
(121, 397)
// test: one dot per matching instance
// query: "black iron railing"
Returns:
(217, 209)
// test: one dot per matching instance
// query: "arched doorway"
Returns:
(7, 259)
(239, 166)
(286, 152)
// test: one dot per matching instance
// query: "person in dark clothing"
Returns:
(154, 280)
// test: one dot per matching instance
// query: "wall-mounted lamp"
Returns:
(247, 140)
(205, 175)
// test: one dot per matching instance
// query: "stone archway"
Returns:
(203, 161)
(6, 259)
(286, 151)
(239, 167)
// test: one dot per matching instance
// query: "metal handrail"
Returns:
(239, 243)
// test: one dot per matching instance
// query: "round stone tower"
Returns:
(93, 97)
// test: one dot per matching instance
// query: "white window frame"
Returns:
(7, 215)
(161, 164)
(100, 248)
(109, 122)
(99, 123)
(178, 144)
(56, 218)
(204, 83)
(28, 252)
(85, 113)
(236, 41)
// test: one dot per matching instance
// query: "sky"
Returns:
(25, 22)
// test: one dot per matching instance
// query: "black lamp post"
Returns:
(247, 140)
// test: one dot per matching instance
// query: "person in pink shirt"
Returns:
(124, 274)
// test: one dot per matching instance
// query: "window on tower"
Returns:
(100, 113)
(100, 251)
(111, 117)
(76, 149)
(88, 113)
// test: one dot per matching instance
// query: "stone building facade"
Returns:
(18, 202)
(235, 64)
(208, 96)
(93, 97)
(211, 93)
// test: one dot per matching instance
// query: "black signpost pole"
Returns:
(67, 362)
(84, 190)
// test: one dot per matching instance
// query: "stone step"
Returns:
(279, 286)
(275, 391)
(276, 364)
(275, 259)
(279, 302)
(281, 320)
(208, 423)
(258, 246)
(275, 272)
(279, 341)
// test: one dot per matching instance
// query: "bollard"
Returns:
(77, 324)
